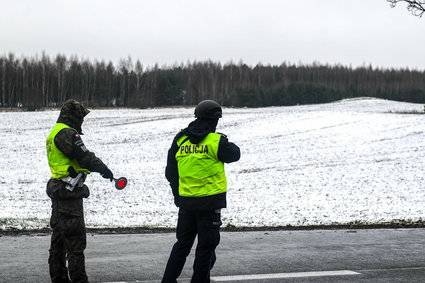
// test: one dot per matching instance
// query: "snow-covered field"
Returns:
(352, 161)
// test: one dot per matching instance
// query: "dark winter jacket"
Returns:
(69, 141)
(227, 152)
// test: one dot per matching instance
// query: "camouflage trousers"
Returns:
(68, 243)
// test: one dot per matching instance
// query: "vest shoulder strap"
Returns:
(185, 140)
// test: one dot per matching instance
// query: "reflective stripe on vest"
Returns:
(200, 172)
(59, 162)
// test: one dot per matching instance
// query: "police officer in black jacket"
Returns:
(195, 171)
(69, 161)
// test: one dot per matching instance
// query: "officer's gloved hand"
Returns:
(85, 191)
(107, 174)
(72, 172)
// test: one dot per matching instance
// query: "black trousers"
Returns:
(205, 225)
(68, 243)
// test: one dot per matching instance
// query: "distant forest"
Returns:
(42, 81)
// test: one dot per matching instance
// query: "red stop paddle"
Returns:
(120, 183)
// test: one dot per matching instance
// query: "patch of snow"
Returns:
(336, 163)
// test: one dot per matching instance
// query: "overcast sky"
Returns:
(348, 32)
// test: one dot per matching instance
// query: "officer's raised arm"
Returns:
(228, 152)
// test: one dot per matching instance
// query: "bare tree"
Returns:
(417, 8)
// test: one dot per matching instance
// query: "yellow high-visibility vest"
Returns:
(200, 172)
(59, 162)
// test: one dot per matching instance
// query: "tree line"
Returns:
(41, 81)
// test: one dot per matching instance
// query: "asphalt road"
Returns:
(376, 255)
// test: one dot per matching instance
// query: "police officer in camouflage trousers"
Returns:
(69, 162)
(195, 170)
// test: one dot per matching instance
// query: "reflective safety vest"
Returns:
(200, 172)
(59, 162)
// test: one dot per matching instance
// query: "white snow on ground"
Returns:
(352, 161)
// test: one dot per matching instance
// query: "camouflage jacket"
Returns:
(70, 143)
